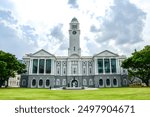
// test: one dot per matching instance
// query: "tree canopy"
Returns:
(9, 66)
(138, 64)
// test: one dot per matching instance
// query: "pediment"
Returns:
(42, 52)
(106, 53)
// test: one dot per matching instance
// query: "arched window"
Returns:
(64, 82)
(47, 82)
(90, 82)
(108, 82)
(64, 70)
(54, 81)
(74, 71)
(33, 82)
(90, 70)
(57, 82)
(17, 83)
(84, 82)
(58, 70)
(40, 82)
(23, 82)
(101, 82)
(125, 82)
(84, 70)
(114, 81)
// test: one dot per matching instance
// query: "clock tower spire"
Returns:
(74, 38)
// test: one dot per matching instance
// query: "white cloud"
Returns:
(73, 3)
(15, 38)
(36, 24)
(122, 25)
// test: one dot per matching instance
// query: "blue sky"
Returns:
(116, 25)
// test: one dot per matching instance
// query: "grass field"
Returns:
(99, 94)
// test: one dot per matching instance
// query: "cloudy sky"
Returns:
(116, 25)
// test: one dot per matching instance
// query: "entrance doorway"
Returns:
(74, 83)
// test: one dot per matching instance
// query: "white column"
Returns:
(28, 66)
(69, 67)
(31, 66)
(53, 67)
(79, 68)
(38, 67)
(103, 66)
(96, 70)
(110, 65)
(118, 66)
(67, 72)
(44, 66)
(87, 68)
(61, 68)
(95, 66)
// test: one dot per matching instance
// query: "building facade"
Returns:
(14, 81)
(46, 70)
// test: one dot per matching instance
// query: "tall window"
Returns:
(41, 66)
(58, 69)
(90, 70)
(74, 70)
(48, 65)
(113, 65)
(100, 65)
(107, 65)
(84, 70)
(64, 70)
(35, 65)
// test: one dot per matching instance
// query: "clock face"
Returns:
(74, 32)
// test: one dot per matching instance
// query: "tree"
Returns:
(9, 66)
(138, 64)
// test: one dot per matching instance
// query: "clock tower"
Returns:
(74, 38)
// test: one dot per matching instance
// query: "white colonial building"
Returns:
(14, 81)
(46, 70)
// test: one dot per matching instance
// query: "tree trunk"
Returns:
(6, 85)
(146, 81)
(1, 82)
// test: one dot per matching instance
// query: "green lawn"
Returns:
(100, 94)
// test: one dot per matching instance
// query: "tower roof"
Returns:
(74, 20)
